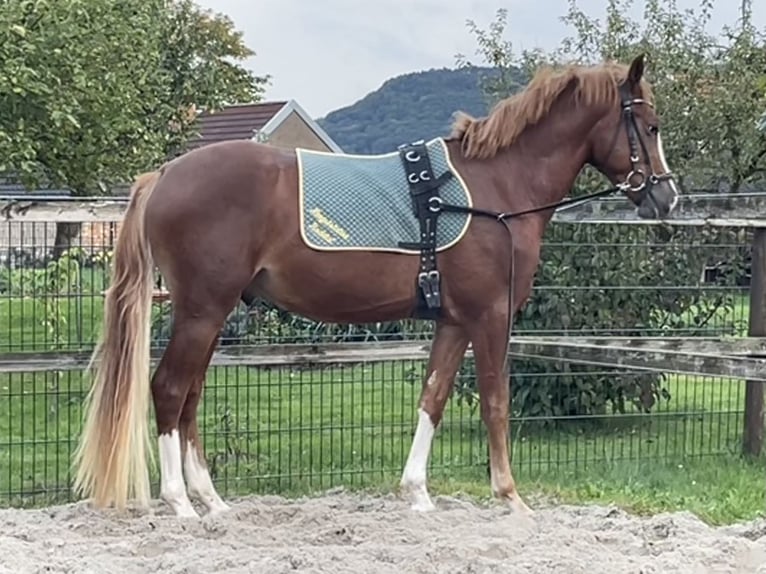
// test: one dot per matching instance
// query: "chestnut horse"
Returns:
(221, 223)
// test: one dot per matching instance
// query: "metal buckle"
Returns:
(429, 283)
(435, 204)
(629, 185)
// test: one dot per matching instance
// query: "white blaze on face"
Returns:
(666, 169)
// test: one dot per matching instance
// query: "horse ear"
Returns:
(636, 71)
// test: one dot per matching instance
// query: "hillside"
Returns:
(419, 105)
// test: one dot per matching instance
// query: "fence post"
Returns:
(752, 439)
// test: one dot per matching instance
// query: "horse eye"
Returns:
(654, 130)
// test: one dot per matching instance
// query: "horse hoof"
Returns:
(186, 512)
(423, 506)
(218, 509)
(180, 507)
(418, 496)
(517, 506)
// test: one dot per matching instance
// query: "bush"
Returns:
(640, 277)
(617, 280)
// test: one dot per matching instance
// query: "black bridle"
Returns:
(645, 185)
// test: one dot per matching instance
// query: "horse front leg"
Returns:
(447, 351)
(489, 338)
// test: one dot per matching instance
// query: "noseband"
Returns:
(645, 184)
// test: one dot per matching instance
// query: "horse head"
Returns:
(626, 146)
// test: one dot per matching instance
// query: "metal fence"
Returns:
(291, 428)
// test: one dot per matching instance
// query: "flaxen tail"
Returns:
(111, 461)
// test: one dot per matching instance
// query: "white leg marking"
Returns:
(666, 169)
(172, 487)
(200, 484)
(413, 481)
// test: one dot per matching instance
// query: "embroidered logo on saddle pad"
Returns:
(363, 202)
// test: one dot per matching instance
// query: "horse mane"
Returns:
(594, 85)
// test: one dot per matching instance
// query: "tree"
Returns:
(709, 91)
(707, 88)
(74, 78)
(708, 95)
(202, 53)
(94, 91)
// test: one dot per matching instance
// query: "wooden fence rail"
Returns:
(743, 358)
(697, 209)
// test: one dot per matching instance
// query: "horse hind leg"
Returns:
(447, 351)
(178, 379)
(198, 481)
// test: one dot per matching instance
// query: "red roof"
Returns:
(233, 122)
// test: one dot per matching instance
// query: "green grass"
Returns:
(720, 490)
(33, 319)
(23, 323)
(296, 432)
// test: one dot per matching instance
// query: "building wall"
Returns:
(38, 238)
(293, 132)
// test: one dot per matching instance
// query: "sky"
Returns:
(327, 54)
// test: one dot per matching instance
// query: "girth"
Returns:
(426, 202)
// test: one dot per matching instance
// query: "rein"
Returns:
(436, 204)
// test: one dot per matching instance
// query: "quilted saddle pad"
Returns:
(363, 202)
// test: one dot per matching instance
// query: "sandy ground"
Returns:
(352, 533)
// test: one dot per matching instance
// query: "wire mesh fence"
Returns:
(292, 429)
(593, 279)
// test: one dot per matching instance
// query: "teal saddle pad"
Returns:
(363, 202)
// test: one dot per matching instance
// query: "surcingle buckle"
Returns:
(426, 204)
(428, 281)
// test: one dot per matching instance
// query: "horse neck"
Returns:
(547, 157)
